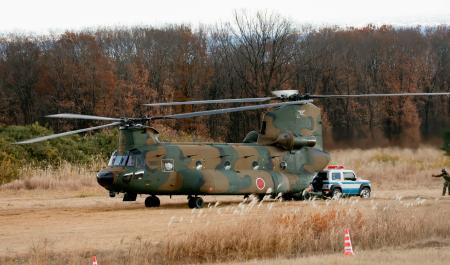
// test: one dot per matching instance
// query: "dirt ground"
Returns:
(67, 221)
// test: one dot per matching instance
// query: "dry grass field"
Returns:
(396, 256)
(60, 216)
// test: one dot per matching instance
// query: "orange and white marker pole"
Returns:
(94, 260)
(348, 249)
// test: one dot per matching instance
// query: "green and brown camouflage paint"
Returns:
(284, 158)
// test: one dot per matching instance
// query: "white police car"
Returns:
(336, 182)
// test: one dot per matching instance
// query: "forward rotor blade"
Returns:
(81, 117)
(228, 110)
(52, 136)
(380, 95)
(212, 101)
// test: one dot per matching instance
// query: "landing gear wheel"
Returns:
(195, 202)
(287, 197)
(365, 193)
(152, 201)
(260, 197)
(298, 196)
(336, 194)
(306, 195)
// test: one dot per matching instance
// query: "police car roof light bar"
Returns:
(335, 167)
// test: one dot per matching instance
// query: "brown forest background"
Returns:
(113, 71)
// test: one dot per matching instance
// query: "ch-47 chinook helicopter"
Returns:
(282, 157)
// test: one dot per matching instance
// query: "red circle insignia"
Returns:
(260, 184)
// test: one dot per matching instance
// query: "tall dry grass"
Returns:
(395, 168)
(314, 230)
(391, 256)
(271, 230)
(64, 176)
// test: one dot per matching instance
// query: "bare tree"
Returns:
(21, 62)
(258, 52)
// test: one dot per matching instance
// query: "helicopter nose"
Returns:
(105, 178)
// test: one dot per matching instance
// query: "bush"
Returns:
(76, 149)
(9, 168)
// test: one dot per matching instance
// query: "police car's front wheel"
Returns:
(365, 193)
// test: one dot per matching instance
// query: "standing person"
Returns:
(446, 177)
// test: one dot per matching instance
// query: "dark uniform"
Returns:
(446, 177)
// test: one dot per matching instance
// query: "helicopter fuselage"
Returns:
(282, 158)
(211, 168)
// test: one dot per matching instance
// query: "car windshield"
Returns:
(118, 160)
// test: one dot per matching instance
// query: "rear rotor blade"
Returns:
(228, 110)
(380, 95)
(81, 117)
(52, 136)
(212, 101)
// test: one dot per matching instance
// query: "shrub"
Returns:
(9, 168)
(76, 149)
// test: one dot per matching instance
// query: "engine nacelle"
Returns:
(292, 127)
(289, 141)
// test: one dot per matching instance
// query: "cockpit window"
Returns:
(131, 161)
(111, 160)
(135, 159)
(117, 160)
(120, 160)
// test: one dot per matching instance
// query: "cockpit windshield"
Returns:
(117, 160)
(133, 158)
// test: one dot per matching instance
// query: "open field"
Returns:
(49, 217)
(392, 256)
(40, 227)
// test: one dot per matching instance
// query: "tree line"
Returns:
(113, 71)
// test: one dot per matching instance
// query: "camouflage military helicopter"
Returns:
(282, 158)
